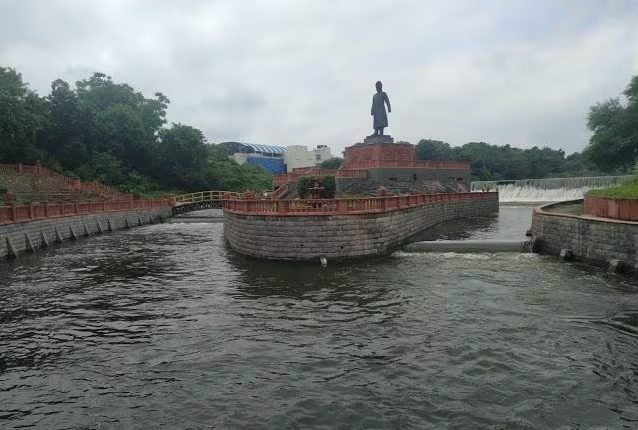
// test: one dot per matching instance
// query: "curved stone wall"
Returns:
(589, 239)
(342, 236)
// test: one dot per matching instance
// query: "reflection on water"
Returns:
(165, 327)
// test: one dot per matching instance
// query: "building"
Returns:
(271, 158)
(277, 159)
(297, 156)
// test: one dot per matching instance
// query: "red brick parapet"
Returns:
(344, 206)
(40, 211)
(607, 207)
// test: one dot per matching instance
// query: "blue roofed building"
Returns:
(271, 158)
(277, 159)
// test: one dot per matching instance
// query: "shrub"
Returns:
(303, 186)
(329, 187)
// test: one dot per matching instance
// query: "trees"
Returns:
(223, 173)
(329, 185)
(614, 142)
(23, 115)
(64, 137)
(182, 157)
(303, 186)
(492, 162)
(436, 150)
(332, 163)
(104, 130)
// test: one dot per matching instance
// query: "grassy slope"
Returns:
(628, 190)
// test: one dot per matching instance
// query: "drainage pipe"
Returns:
(471, 246)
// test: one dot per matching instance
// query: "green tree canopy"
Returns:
(23, 116)
(614, 142)
(492, 162)
(104, 130)
(332, 163)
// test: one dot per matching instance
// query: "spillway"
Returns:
(546, 190)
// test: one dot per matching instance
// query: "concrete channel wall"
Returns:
(342, 236)
(31, 235)
(598, 241)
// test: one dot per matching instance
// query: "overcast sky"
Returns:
(283, 72)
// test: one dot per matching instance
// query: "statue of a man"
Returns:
(379, 100)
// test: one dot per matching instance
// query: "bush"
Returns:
(329, 187)
(303, 187)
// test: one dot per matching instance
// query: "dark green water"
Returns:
(164, 327)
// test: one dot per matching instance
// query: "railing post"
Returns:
(20, 168)
(75, 208)
(30, 210)
(281, 206)
(13, 212)
(46, 209)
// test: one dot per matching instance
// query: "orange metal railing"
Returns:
(203, 196)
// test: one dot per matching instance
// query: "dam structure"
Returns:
(546, 190)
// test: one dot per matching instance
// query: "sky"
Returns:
(286, 72)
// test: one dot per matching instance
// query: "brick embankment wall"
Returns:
(306, 238)
(592, 240)
(23, 236)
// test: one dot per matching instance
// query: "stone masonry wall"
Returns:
(596, 241)
(445, 176)
(306, 238)
(24, 236)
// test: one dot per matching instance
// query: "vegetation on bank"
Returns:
(104, 130)
(100, 129)
(327, 185)
(614, 142)
(332, 163)
(612, 149)
(627, 190)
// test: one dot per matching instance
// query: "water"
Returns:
(546, 190)
(164, 327)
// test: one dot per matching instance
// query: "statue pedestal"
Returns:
(371, 140)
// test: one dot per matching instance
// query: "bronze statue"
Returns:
(379, 100)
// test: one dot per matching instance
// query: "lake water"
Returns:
(164, 327)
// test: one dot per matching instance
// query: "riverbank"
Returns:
(565, 229)
(40, 232)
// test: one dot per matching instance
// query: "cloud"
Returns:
(287, 72)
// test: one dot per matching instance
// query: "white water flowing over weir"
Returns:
(546, 190)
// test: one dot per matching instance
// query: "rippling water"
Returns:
(164, 327)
